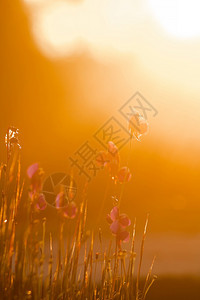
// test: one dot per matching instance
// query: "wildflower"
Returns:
(101, 159)
(35, 175)
(112, 148)
(109, 159)
(32, 170)
(137, 125)
(119, 223)
(70, 210)
(124, 175)
(41, 203)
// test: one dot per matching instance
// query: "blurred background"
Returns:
(68, 66)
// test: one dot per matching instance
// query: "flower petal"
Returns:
(124, 175)
(138, 125)
(115, 227)
(70, 210)
(41, 202)
(124, 220)
(101, 158)
(143, 128)
(112, 148)
(32, 170)
(114, 214)
(123, 236)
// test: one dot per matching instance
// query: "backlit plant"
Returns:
(78, 271)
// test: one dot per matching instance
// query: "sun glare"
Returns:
(110, 27)
(37, 2)
(60, 26)
(178, 17)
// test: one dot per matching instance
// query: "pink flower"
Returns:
(137, 125)
(32, 170)
(119, 223)
(109, 159)
(124, 175)
(35, 175)
(101, 159)
(112, 148)
(40, 203)
(70, 210)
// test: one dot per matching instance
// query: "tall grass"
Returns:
(22, 256)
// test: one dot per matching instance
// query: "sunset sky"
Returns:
(151, 46)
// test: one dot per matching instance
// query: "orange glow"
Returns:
(68, 66)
